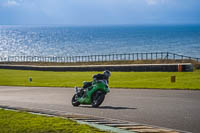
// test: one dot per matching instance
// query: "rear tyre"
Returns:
(75, 101)
(97, 99)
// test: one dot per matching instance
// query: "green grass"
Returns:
(184, 80)
(21, 122)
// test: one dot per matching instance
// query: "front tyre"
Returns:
(75, 101)
(97, 99)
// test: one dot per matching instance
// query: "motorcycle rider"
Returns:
(105, 76)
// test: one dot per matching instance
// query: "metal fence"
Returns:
(100, 58)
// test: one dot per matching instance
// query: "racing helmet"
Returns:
(107, 73)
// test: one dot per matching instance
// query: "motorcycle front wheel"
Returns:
(75, 102)
(97, 99)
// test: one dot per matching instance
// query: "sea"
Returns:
(62, 40)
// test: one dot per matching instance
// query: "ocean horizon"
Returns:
(63, 40)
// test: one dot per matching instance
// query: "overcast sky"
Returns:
(99, 12)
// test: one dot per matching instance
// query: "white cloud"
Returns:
(11, 3)
(155, 2)
(151, 2)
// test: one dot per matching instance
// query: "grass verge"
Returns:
(184, 80)
(22, 122)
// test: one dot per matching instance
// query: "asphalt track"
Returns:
(176, 109)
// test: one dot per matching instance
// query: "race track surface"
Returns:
(176, 109)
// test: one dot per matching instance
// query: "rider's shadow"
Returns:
(110, 107)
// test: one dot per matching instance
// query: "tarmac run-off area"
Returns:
(175, 109)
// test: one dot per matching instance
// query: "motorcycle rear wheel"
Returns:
(97, 99)
(74, 100)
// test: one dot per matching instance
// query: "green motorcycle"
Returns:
(93, 95)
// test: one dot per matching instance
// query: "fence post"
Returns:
(32, 59)
(55, 58)
(88, 58)
(8, 58)
(167, 55)
(92, 58)
(146, 56)
(68, 59)
(129, 56)
(125, 56)
(59, 59)
(17, 58)
(95, 58)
